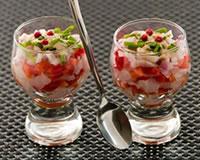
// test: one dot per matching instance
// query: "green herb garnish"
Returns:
(162, 30)
(69, 29)
(26, 44)
(79, 45)
(140, 44)
(41, 37)
(57, 30)
(157, 48)
(132, 35)
(62, 58)
(64, 37)
(152, 45)
(54, 41)
(67, 32)
(71, 40)
(38, 44)
(171, 46)
(129, 35)
(130, 45)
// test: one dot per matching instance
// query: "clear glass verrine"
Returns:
(51, 78)
(150, 81)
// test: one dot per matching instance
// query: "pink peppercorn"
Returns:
(44, 42)
(37, 34)
(158, 39)
(149, 31)
(50, 33)
(144, 37)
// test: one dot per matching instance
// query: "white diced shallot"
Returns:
(40, 81)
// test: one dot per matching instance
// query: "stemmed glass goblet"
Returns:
(150, 63)
(49, 63)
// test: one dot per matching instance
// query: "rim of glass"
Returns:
(34, 20)
(164, 21)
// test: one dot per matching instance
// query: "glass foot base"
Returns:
(54, 132)
(155, 131)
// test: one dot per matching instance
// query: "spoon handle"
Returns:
(75, 9)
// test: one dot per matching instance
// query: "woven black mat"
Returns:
(102, 18)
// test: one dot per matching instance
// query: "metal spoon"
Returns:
(111, 120)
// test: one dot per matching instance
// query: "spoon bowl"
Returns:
(114, 124)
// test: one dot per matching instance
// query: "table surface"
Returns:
(102, 19)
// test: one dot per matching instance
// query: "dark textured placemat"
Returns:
(102, 19)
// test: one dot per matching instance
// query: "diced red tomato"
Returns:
(172, 78)
(74, 82)
(55, 71)
(79, 52)
(43, 66)
(184, 63)
(64, 84)
(161, 78)
(142, 78)
(51, 86)
(134, 89)
(119, 61)
(80, 73)
(144, 73)
(70, 66)
(30, 70)
(154, 71)
(137, 73)
(126, 63)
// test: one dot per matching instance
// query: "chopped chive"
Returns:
(130, 45)
(79, 45)
(41, 37)
(54, 41)
(174, 49)
(57, 30)
(171, 46)
(152, 45)
(62, 58)
(38, 44)
(68, 30)
(140, 44)
(129, 35)
(157, 48)
(65, 36)
(26, 44)
(71, 40)
(162, 30)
